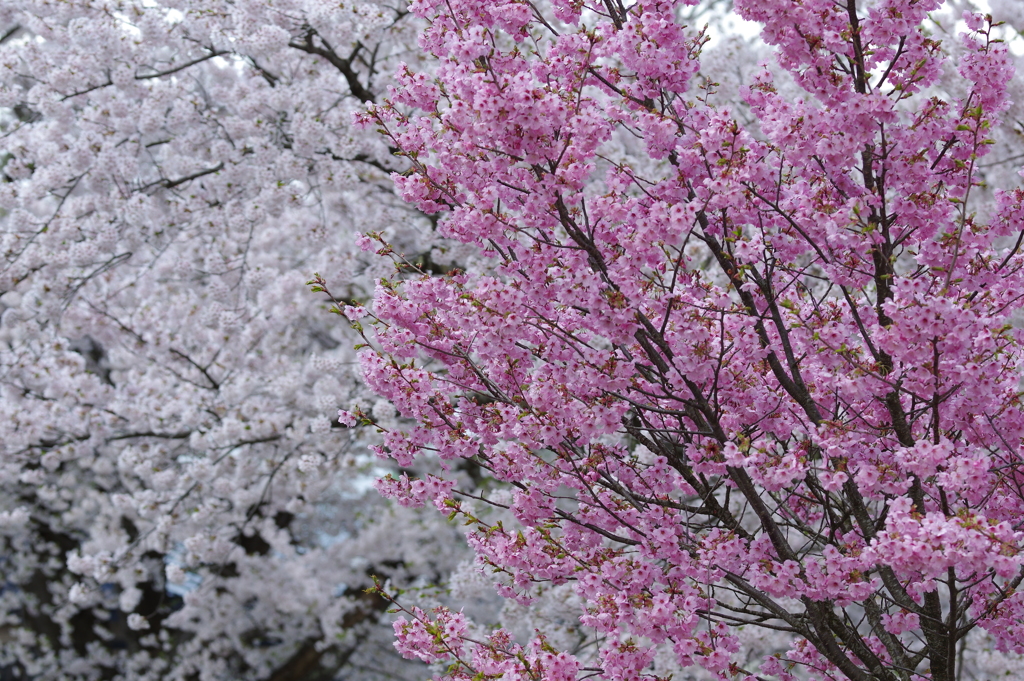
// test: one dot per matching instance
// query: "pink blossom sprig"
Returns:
(735, 374)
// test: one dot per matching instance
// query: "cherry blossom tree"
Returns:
(177, 499)
(731, 367)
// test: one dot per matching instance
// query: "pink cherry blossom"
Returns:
(745, 365)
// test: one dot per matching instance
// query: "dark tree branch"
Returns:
(344, 65)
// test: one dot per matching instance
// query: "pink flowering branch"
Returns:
(733, 375)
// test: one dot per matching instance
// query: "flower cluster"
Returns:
(743, 366)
